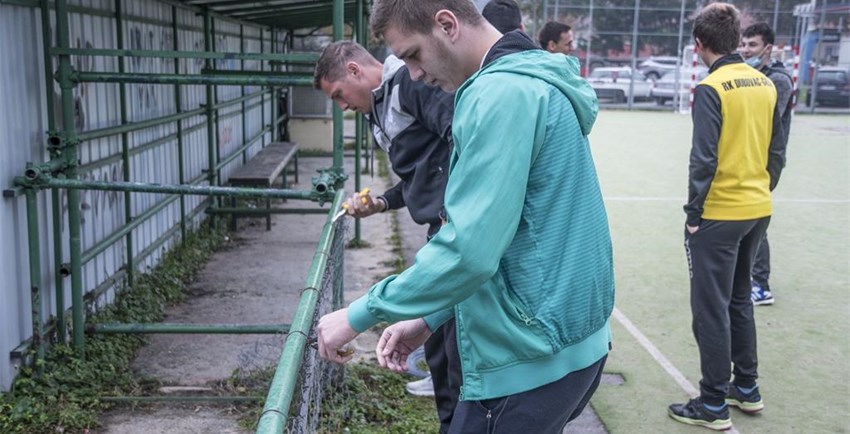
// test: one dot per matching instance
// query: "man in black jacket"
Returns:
(756, 47)
(412, 123)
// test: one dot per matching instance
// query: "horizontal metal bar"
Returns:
(193, 329)
(200, 190)
(88, 167)
(263, 211)
(105, 52)
(222, 80)
(135, 126)
(181, 398)
(249, 73)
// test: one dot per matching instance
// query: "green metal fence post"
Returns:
(242, 90)
(263, 97)
(359, 33)
(178, 103)
(125, 142)
(273, 90)
(55, 195)
(338, 22)
(35, 279)
(212, 159)
(74, 221)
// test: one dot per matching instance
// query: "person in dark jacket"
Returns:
(756, 47)
(504, 15)
(412, 123)
(733, 166)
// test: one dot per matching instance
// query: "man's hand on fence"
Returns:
(333, 333)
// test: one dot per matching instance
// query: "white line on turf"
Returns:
(662, 360)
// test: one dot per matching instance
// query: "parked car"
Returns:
(664, 89)
(656, 66)
(613, 83)
(833, 87)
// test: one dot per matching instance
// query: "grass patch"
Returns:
(66, 397)
(370, 400)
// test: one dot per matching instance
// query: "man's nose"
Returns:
(342, 105)
(416, 73)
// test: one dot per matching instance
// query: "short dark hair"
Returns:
(417, 16)
(760, 29)
(331, 63)
(718, 28)
(504, 15)
(551, 31)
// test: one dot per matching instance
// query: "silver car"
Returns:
(664, 89)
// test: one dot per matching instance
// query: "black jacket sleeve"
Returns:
(707, 120)
(394, 196)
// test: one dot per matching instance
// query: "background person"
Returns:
(732, 167)
(556, 37)
(756, 48)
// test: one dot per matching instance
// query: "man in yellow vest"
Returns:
(732, 169)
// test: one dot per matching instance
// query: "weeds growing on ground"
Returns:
(66, 397)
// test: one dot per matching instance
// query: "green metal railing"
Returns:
(62, 174)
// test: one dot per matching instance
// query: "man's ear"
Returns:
(353, 68)
(550, 46)
(448, 23)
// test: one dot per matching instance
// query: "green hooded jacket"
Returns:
(524, 262)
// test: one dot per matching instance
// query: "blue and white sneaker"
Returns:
(761, 296)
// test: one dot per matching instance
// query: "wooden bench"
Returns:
(263, 170)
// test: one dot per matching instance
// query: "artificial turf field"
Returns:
(803, 339)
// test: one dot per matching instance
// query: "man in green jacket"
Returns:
(523, 263)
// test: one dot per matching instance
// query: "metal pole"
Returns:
(274, 90)
(194, 329)
(360, 31)
(634, 53)
(814, 88)
(242, 90)
(775, 14)
(35, 279)
(210, 113)
(589, 52)
(55, 199)
(276, 408)
(200, 190)
(74, 221)
(677, 81)
(338, 22)
(178, 103)
(125, 142)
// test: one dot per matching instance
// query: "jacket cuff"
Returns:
(693, 220)
(359, 317)
(436, 319)
(393, 198)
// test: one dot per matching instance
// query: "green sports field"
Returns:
(804, 338)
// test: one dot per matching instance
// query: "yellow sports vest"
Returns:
(740, 189)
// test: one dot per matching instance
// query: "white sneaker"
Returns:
(423, 387)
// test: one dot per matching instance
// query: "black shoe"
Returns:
(695, 413)
(747, 402)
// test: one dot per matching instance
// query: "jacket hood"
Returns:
(556, 69)
(391, 66)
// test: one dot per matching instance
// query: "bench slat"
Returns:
(266, 166)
